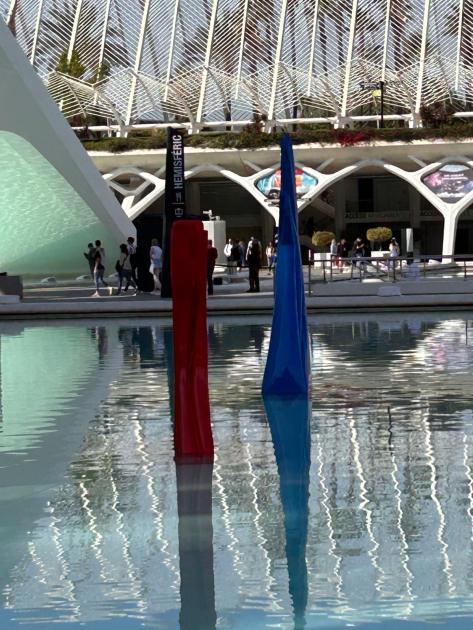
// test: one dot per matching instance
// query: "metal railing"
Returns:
(391, 270)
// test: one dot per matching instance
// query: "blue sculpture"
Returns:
(289, 420)
(288, 364)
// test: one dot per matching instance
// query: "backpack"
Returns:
(118, 267)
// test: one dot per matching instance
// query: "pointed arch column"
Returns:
(450, 211)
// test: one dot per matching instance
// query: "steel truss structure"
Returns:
(218, 63)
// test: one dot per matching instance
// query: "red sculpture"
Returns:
(193, 439)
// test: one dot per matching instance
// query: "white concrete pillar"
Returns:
(414, 207)
(267, 226)
(340, 207)
(217, 233)
(449, 233)
(193, 198)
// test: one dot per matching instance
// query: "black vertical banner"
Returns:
(174, 200)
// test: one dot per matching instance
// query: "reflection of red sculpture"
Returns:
(192, 429)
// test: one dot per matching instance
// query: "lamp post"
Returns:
(379, 87)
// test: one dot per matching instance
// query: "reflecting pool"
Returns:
(353, 510)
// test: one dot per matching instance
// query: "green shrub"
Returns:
(251, 138)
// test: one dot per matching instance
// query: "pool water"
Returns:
(355, 510)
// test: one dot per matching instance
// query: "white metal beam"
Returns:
(11, 11)
(459, 44)
(277, 60)
(423, 50)
(310, 70)
(103, 41)
(242, 47)
(351, 44)
(208, 55)
(75, 28)
(36, 32)
(386, 40)
(172, 45)
(139, 55)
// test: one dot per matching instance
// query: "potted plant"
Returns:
(379, 235)
(322, 239)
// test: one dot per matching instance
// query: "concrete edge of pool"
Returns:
(231, 305)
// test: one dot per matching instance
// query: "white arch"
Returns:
(450, 211)
(133, 210)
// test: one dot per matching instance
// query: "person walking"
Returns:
(394, 252)
(133, 258)
(394, 249)
(253, 260)
(156, 257)
(358, 251)
(342, 252)
(228, 252)
(242, 257)
(212, 255)
(89, 255)
(236, 255)
(124, 269)
(99, 267)
(333, 252)
(270, 256)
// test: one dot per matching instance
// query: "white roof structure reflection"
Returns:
(222, 61)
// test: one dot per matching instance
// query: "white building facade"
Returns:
(130, 65)
(426, 186)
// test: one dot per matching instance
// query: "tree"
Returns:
(73, 67)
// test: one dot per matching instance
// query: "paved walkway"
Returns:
(74, 300)
(83, 291)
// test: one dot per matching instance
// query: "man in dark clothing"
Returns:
(235, 256)
(212, 255)
(253, 260)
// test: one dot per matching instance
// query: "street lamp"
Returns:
(379, 87)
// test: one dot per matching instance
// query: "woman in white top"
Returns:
(156, 256)
(270, 256)
(394, 251)
(334, 251)
(394, 248)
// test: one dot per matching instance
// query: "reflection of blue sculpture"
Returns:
(289, 420)
(287, 368)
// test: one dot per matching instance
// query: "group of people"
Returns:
(126, 265)
(236, 253)
(341, 250)
(240, 255)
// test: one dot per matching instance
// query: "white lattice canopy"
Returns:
(207, 62)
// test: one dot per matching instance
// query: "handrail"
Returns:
(387, 269)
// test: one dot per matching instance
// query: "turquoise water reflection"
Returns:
(366, 521)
